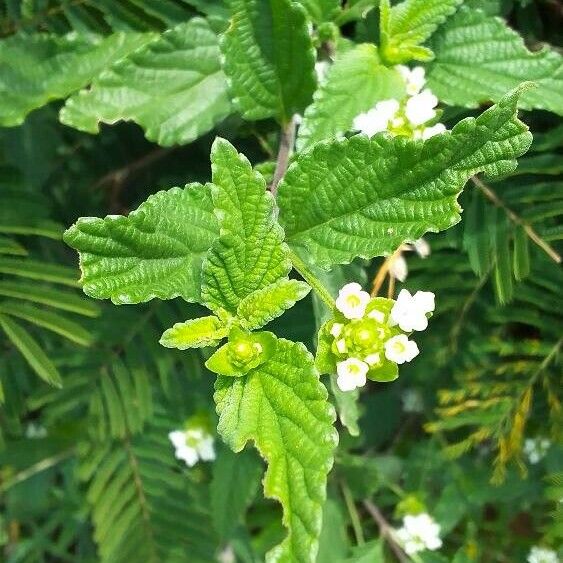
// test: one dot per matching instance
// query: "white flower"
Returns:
(35, 431)
(420, 107)
(352, 301)
(412, 401)
(373, 359)
(351, 374)
(341, 346)
(193, 445)
(414, 79)
(432, 131)
(409, 312)
(400, 349)
(399, 268)
(321, 68)
(542, 555)
(536, 448)
(376, 119)
(419, 533)
(336, 329)
(421, 247)
(379, 316)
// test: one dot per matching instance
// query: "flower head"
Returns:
(414, 78)
(377, 119)
(420, 107)
(351, 374)
(418, 533)
(536, 449)
(409, 311)
(542, 555)
(400, 349)
(192, 445)
(352, 301)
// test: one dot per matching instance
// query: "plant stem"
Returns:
(311, 279)
(492, 196)
(287, 140)
(353, 512)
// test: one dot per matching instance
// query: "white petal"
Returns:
(336, 329)
(345, 383)
(399, 268)
(422, 247)
(352, 301)
(178, 438)
(189, 455)
(400, 349)
(379, 316)
(437, 129)
(420, 108)
(425, 301)
(372, 359)
(341, 346)
(371, 122)
(206, 449)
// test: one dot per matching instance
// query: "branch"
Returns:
(492, 196)
(386, 530)
(287, 140)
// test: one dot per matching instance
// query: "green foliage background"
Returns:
(148, 78)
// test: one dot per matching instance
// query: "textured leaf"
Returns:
(405, 26)
(194, 333)
(156, 251)
(269, 58)
(363, 197)
(37, 69)
(31, 351)
(321, 10)
(173, 87)
(264, 305)
(249, 254)
(479, 58)
(283, 407)
(354, 84)
(235, 481)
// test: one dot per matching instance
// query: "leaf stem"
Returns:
(353, 512)
(311, 279)
(492, 196)
(287, 140)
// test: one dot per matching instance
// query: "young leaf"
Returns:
(37, 69)
(156, 251)
(406, 26)
(321, 10)
(355, 83)
(264, 305)
(269, 58)
(283, 407)
(479, 58)
(363, 197)
(31, 351)
(173, 88)
(250, 254)
(194, 333)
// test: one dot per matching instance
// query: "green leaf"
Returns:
(479, 58)
(194, 333)
(43, 271)
(283, 408)
(9, 246)
(269, 58)
(321, 10)
(173, 88)
(333, 542)
(346, 406)
(355, 83)
(391, 189)
(406, 26)
(233, 487)
(249, 254)
(264, 305)
(36, 69)
(31, 351)
(371, 552)
(54, 322)
(156, 251)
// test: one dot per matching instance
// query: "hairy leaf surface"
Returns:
(269, 58)
(250, 253)
(405, 26)
(156, 251)
(194, 333)
(37, 69)
(479, 58)
(363, 197)
(174, 88)
(283, 407)
(355, 83)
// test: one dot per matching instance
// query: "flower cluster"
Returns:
(542, 555)
(410, 117)
(419, 533)
(195, 443)
(367, 338)
(536, 448)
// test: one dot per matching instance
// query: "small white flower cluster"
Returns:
(398, 268)
(536, 448)
(542, 555)
(370, 327)
(193, 444)
(407, 118)
(413, 401)
(35, 431)
(419, 533)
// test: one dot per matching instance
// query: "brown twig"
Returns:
(287, 140)
(492, 196)
(386, 530)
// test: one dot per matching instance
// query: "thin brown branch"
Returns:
(386, 530)
(529, 230)
(287, 140)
